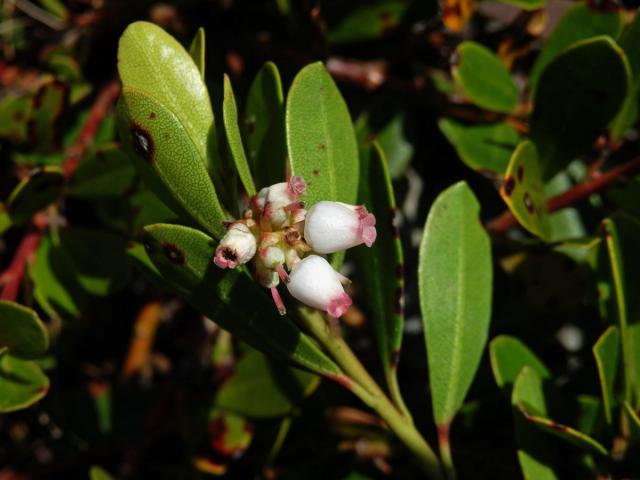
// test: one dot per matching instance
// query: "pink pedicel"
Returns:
(367, 229)
(277, 299)
(225, 257)
(339, 305)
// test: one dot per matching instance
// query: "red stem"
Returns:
(99, 110)
(12, 276)
(506, 220)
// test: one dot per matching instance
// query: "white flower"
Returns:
(314, 282)
(237, 247)
(334, 226)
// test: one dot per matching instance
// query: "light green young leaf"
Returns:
(508, 356)
(606, 351)
(455, 283)
(320, 137)
(622, 234)
(197, 50)
(234, 140)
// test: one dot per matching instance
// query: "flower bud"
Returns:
(314, 282)
(237, 247)
(334, 226)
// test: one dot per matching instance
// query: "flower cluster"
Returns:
(281, 239)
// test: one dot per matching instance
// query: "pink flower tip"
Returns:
(225, 257)
(339, 305)
(296, 186)
(367, 229)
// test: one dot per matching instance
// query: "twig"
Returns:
(99, 110)
(13, 275)
(506, 220)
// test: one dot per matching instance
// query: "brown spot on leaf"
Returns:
(528, 203)
(174, 254)
(520, 173)
(322, 147)
(508, 185)
(315, 172)
(142, 142)
(152, 116)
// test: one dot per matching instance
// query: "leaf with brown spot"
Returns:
(525, 198)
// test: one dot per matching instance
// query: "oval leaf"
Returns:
(523, 192)
(263, 388)
(22, 331)
(455, 281)
(536, 452)
(381, 267)
(320, 137)
(184, 258)
(483, 78)
(578, 95)
(622, 234)
(606, 351)
(22, 383)
(580, 22)
(264, 127)
(508, 356)
(168, 160)
(230, 120)
(483, 147)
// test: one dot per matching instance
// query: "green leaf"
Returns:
(536, 452)
(264, 127)
(22, 383)
(455, 282)
(565, 432)
(526, 4)
(320, 137)
(262, 388)
(107, 172)
(606, 351)
(231, 298)
(483, 78)
(523, 192)
(367, 22)
(483, 147)
(633, 415)
(21, 331)
(622, 234)
(168, 134)
(47, 107)
(14, 117)
(381, 267)
(578, 95)
(42, 187)
(564, 224)
(578, 23)
(508, 356)
(167, 160)
(55, 283)
(99, 473)
(98, 259)
(197, 50)
(230, 120)
(628, 115)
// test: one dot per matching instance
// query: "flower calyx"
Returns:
(285, 237)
